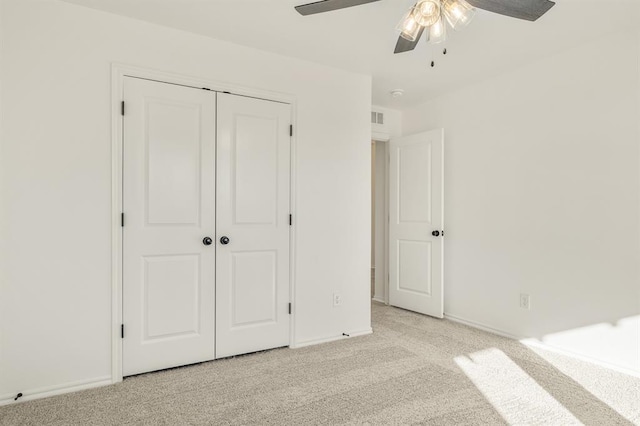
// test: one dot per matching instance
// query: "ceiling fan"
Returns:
(432, 16)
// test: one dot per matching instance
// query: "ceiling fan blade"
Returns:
(404, 45)
(329, 5)
(529, 10)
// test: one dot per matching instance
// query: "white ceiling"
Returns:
(362, 38)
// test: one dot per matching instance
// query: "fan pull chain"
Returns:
(432, 55)
(433, 62)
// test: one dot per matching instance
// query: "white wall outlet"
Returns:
(337, 299)
(525, 301)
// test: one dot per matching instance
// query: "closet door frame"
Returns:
(118, 73)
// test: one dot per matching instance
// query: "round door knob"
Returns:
(224, 240)
(436, 233)
(207, 241)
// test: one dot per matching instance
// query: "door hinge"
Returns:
(122, 219)
(122, 108)
(291, 130)
(290, 219)
(122, 331)
(289, 308)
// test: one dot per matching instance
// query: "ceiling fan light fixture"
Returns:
(427, 12)
(459, 13)
(409, 28)
(437, 32)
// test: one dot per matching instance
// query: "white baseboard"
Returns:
(331, 339)
(45, 392)
(527, 341)
(29, 395)
(480, 326)
(541, 345)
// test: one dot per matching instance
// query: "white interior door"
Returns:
(416, 223)
(169, 208)
(253, 169)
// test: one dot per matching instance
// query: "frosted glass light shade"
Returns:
(458, 12)
(409, 28)
(427, 12)
(437, 32)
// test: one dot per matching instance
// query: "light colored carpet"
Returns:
(412, 370)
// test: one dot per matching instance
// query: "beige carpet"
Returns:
(412, 370)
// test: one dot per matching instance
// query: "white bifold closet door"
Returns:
(416, 190)
(253, 181)
(169, 208)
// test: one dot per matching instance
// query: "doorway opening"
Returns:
(379, 220)
(407, 222)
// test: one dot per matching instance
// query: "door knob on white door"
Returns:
(436, 233)
(224, 240)
(207, 241)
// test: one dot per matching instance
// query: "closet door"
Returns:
(169, 211)
(253, 173)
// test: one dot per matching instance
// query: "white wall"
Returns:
(542, 197)
(55, 289)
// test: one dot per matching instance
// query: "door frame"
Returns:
(119, 72)
(384, 138)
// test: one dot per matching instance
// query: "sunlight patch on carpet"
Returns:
(513, 393)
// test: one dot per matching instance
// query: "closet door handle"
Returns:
(224, 240)
(436, 233)
(207, 241)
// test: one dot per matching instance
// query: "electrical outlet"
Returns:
(525, 301)
(337, 299)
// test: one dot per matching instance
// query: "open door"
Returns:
(416, 184)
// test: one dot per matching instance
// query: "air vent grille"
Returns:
(377, 117)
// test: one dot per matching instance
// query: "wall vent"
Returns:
(377, 117)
